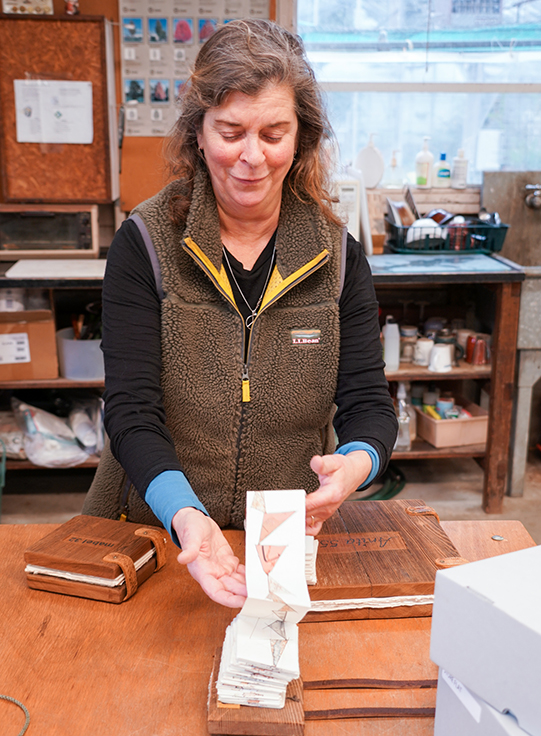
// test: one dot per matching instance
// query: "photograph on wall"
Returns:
(132, 30)
(159, 90)
(134, 90)
(207, 26)
(183, 30)
(178, 87)
(157, 30)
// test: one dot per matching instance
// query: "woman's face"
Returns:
(249, 145)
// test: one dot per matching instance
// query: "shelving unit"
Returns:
(463, 371)
(485, 290)
(67, 296)
(412, 372)
(492, 286)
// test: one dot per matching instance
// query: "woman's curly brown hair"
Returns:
(246, 56)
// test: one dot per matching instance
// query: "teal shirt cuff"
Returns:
(374, 456)
(169, 492)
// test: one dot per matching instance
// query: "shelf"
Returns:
(92, 462)
(52, 383)
(412, 372)
(423, 450)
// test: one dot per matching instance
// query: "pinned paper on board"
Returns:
(53, 111)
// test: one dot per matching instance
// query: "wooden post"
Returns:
(502, 390)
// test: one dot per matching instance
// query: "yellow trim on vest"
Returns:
(277, 284)
(219, 276)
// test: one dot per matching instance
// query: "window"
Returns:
(464, 72)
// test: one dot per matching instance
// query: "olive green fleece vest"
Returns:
(241, 426)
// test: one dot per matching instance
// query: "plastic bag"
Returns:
(48, 440)
(12, 436)
(86, 421)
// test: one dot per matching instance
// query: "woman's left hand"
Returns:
(339, 476)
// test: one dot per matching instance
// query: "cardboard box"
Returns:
(459, 712)
(27, 345)
(454, 432)
(486, 630)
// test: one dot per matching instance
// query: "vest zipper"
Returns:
(215, 281)
(214, 277)
(245, 374)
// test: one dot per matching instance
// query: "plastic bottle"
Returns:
(370, 162)
(442, 173)
(411, 412)
(391, 344)
(403, 439)
(459, 173)
(394, 178)
(424, 162)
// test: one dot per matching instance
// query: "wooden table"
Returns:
(141, 668)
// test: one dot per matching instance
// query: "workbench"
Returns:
(142, 667)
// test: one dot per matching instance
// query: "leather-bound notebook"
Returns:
(378, 559)
(97, 558)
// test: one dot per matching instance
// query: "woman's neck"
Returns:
(246, 238)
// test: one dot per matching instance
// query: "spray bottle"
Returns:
(403, 439)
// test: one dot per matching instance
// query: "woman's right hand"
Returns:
(209, 558)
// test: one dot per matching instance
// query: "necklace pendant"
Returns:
(250, 320)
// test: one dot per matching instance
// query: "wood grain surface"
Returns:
(376, 549)
(142, 668)
(502, 392)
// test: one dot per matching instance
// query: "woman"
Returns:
(237, 315)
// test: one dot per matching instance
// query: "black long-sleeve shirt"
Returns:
(134, 413)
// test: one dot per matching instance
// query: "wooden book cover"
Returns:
(95, 558)
(378, 559)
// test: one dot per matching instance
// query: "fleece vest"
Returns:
(239, 424)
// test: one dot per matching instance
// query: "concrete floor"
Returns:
(452, 487)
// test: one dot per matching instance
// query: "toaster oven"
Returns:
(48, 231)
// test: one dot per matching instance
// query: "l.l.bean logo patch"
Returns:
(305, 337)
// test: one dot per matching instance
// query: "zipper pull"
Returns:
(245, 385)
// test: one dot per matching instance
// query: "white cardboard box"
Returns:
(460, 712)
(486, 630)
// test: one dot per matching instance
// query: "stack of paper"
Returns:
(310, 561)
(261, 653)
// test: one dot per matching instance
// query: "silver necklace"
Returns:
(250, 319)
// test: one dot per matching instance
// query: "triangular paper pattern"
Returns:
(272, 522)
(281, 613)
(258, 501)
(279, 628)
(269, 555)
(277, 648)
(278, 590)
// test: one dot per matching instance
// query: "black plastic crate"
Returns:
(457, 239)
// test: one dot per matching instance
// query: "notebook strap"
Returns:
(158, 540)
(128, 568)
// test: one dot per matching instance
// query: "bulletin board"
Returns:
(69, 49)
